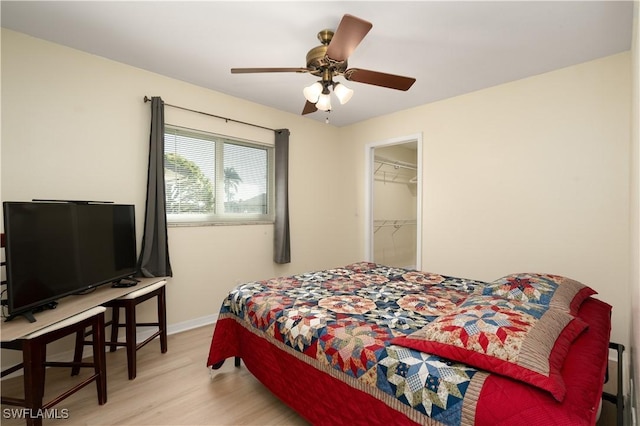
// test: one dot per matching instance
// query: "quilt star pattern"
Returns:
(345, 318)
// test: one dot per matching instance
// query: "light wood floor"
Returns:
(175, 388)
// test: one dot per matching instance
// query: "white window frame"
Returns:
(219, 217)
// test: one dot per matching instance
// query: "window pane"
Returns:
(189, 173)
(211, 178)
(245, 179)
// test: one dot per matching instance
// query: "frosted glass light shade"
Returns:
(343, 93)
(311, 93)
(324, 102)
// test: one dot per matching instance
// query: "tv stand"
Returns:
(67, 307)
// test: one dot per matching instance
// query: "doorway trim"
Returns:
(368, 194)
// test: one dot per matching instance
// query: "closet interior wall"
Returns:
(394, 205)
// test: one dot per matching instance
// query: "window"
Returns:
(215, 179)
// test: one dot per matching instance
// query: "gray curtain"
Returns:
(154, 254)
(281, 241)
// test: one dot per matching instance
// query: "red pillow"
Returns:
(526, 342)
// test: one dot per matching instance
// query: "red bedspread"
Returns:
(330, 394)
(506, 402)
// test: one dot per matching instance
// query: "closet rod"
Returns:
(400, 164)
(148, 99)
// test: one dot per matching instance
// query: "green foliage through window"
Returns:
(210, 178)
(188, 189)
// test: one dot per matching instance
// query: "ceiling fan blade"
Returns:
(309, 108)
(347, 37)
(376, 78)
(256, 70)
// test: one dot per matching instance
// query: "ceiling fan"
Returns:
(329, 60)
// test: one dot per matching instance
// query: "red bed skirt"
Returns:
(323, 398)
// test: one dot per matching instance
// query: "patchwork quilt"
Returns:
(423, 344)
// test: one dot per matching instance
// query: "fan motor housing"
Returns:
(317, 60)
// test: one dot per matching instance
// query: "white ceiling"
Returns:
(450, 47)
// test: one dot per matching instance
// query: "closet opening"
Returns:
(393, 233)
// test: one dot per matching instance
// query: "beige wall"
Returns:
(527, 176)
(533, 175)
(74, 126)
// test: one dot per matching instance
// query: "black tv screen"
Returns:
(55, 249)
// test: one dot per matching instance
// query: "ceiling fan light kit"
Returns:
(329, 60)
(318, 94)
(343, 93)
(313, 92)
(324, 102)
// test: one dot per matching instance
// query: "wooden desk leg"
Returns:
(99, 360)
(115, 327)
(162, 319)
(130, 315)
(34, 354)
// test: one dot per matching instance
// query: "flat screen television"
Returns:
(55, 249)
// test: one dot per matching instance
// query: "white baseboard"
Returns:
(140, 336)
(191, 324)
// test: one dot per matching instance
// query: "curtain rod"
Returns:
(148, 99)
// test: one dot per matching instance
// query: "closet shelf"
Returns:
(392, 171)
(395, 223)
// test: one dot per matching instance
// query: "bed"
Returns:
(373, 344)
